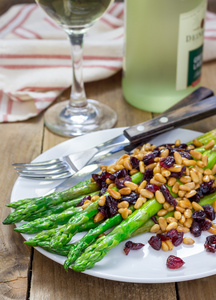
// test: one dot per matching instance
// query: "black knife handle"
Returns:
(167, 121)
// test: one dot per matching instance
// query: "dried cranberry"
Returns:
(210, 243)
(199, 215)
(174, 262)
(154, 219)
(178, 239)
(149, 158)
(152, 187)
(195, 228)
(101, 178)
(155, 242)
(205, 225)
(134, 162)
(148, 175)
(112, 204)
(204, 189)
(210, 214)
(132, 246)
(169, 198)
(131, 198)
(118, 174)
(88, 197)
(167, 162)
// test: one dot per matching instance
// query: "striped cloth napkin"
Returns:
(35, 60)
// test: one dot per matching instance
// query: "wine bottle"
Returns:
(162, 52)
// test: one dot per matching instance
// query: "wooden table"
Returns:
(27, 274)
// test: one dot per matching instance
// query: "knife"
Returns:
(173, 119)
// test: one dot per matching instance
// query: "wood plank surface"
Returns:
(27, 274)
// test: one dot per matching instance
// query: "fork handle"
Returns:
(171, 120)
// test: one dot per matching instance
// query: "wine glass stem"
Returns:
(77, 96)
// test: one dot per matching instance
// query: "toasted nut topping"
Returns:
(164, 153)
(175, 188)
(209, 145)
(142, 185)
(98, 217)
(138, 203)
(163, 223)
(177, 215)
(194, 176)
(188, 241)
(196, 206)
(159, 197)
(171, 181)
(185, 179)
(178, 158)
(131, 185)
(147, 194)
(164, 246)
(189, 162)
(197, 155)
(141, 167)
(212, 230)
(197, 143)
(214, 170)
(190, 194)
(162, 212)
(123, 204)
(172, 225)
(155, 228)
(188, 222)
(175, 168)
(116, 195)
(188, 213)
(159, 177)
(169, 244)
(102, 201)
(214, 206)
(94, 198)
(182, 229)
(205, 160)
(125, 191)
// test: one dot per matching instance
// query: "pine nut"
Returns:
(159, 177)
(175, 188)
(169, 244)
(185, 179)
(162, 212)
(166, 173)
(155, 228)
(209, 145)
(185, 203)
(181, 193)
(153, 181)
(108, 181)
(133, 186)
(147, 194)
(164, 153)
(180, 209)
(177, 143)
(172, 225)
(196, 206)
(142, 185)
(159, 197)
(151, 166)
(125, 191)
(214, 170)
(119, 167)
(166, 205)
(184, 187)
(124, 213)
(212, 230)
(189, 162)
(197, 143)
(116, 195)
(163, 223)
(206, 178)
(182, 220)
(164, 246)
(171, 208)
(205, 160)
(85, 204)
(200, 164)
(127, 164)
(94, 198)
(111, 186)
(188, 213)
(157, 169)
(98, 217)
(141, 167)
(133, 171)
(175, 168)
(123, 204)
(188, 241)
(102, 201)
(138, 203)
(182, 229)
(191, 185)
(171, 181)
(199, 169)
(214, 206)
(171, 219)
(190, 194)
(194, 176)
(178, 158)
(197, 155)
(188, 222)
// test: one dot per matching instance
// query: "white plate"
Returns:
(142, 266)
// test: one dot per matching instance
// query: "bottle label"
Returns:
(190, 46)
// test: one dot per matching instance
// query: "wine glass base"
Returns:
(98, 116)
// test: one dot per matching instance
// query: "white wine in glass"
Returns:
(78, 115)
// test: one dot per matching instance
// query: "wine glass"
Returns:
(78, 115)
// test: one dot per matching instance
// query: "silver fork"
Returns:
(66, 166)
